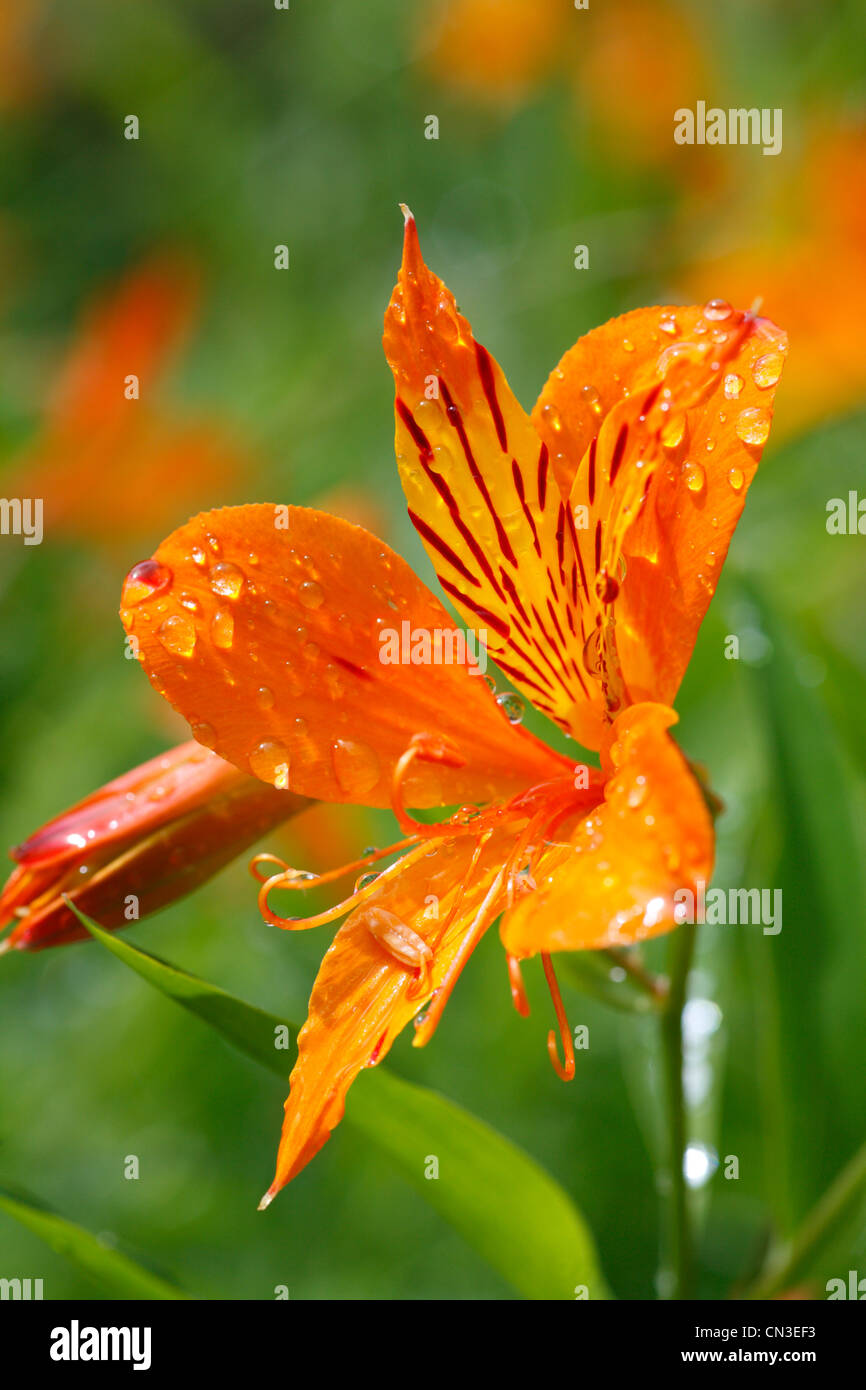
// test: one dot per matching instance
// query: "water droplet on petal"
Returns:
(550, 416)
(736, 478)
(205, 734)
(364, 881)
(590, 397)
(592, 653)
(490, 683)
(668, 324)
(178, 635)
(673, 430)
(226, 579)
(144, 581)
(733, 385)
(696, 478)
(356, 766)
(627, 345)
(265, 697)
(717, 309)
(198, 556)
(753, 425)
(637, 793)
(767, 370)
(222, 629)
(311, 594)
(512, 706)
(269, 760)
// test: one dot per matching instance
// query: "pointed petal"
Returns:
(263, 626)
(658, 477)
(364, 995)
(480, 493)
(614, 883)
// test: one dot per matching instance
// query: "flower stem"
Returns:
(677, 1234)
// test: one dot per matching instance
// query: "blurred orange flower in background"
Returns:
(799, 241)
(111, 459)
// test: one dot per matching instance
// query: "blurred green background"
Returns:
(306, 127)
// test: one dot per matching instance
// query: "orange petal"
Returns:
(658, 477)
(614, 883)
(364, 995)
(263, 626)
(480, 492)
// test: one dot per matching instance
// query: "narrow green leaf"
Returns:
(498, 1198)
(120, 1276)
(248, 1028)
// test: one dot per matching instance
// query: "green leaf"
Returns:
(808, 978)
(120, 1276)
(246, 1027)
(498, 1198)
(502, 1202)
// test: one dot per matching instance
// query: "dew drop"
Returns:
(191, 604)
(356, 766)
(551, 417)
(590, 397)
(226, 579)
(512, 706)
(637, 793)
(736, 478)
(198, 556)
(144, 581)
(767, 370)
(673, 430)
(753, 425)
(265, 697)
(717, 309)
(695, 476)
(178, 635)
(592, 653)
(364, 881)
(205, 734)
(668, 324)
(269, 760)
(627, 345)
(311, 594)
(733, 385)
(222, 629)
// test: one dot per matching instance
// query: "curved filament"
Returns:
(565, 1071)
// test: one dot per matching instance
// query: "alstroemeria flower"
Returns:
(583, 544)
(136, 845)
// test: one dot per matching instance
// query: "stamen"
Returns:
(483, 917)
(426, 748)
(518, 989)
(341, 908)
(300, 878)
(565, 1071)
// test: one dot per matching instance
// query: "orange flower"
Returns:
(138, 844)
(582, 544)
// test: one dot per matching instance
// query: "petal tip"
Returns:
(267, 1199)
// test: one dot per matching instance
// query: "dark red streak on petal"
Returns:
(443, 548)
(618, 451)
(485, 369)
(484, 614)
(597, 546)
(456, 420)
(425, 455)
(542, 476)
(521, 493)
